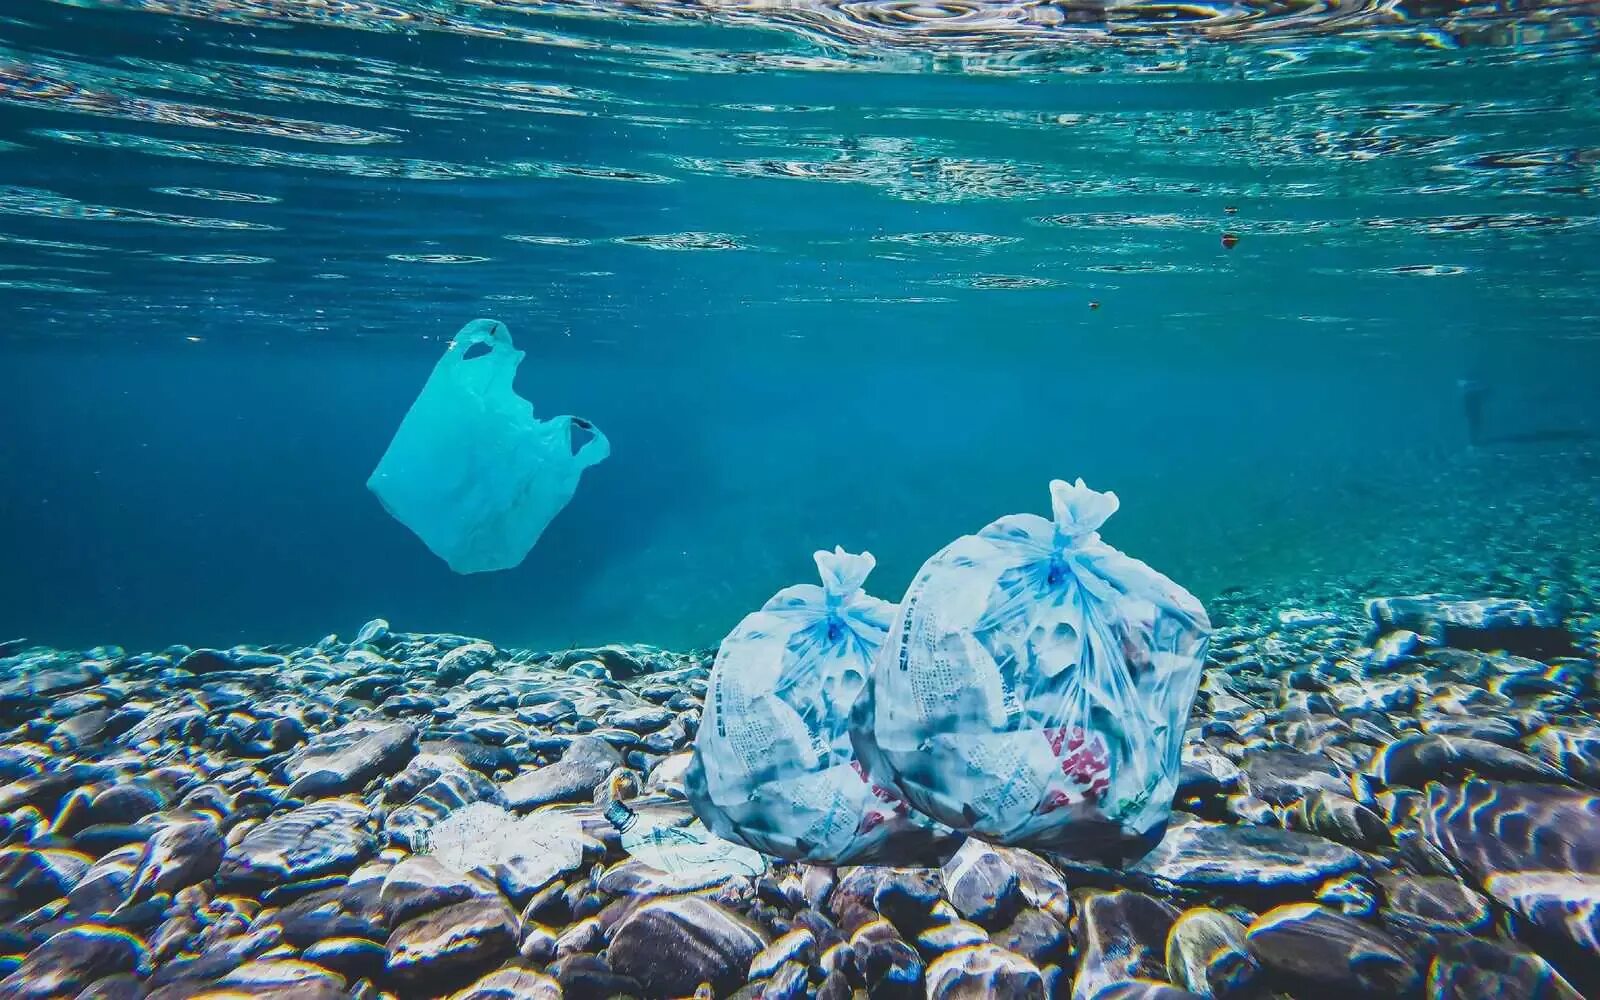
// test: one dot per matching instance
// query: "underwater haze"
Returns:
(862, 275)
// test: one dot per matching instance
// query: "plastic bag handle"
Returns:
(595, 450)
(481, 331)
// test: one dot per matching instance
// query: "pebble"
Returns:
(1207, 954)
(1317, 950)
(984, 972)
(584, 765)
(1119, 935)
(982, 885)
(444, 944)
(317, 839)
(346, 759)
(672, 945)
(513, 982)
(1256, 861)
(69, 961)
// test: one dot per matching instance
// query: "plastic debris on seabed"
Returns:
(773, 767)
(682, 850)
(471, 471)
(1036, 685)
(481, 835)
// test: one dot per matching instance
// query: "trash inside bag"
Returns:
(471, 471)
(1036, 684)
(481, 835)
(773, 767)
(682, 850)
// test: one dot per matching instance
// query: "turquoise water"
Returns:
(866, 275)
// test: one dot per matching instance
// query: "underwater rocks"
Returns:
(671, 946)
(266, 822)
(1493, 623)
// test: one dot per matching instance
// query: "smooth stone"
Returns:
(941, 938)
(464, 661)
(33, 876)
(1491, 623)
(1196, 854)
(891, 968)
(72, 959)
(1417, 760)
(1535, 850)
(588, 977)
(1118, 935)
(787, 983)
(287, 977)
(1572, 751)
(1352, 895)
(318, 839)
(1321, 952)
(451, 941)
(1207, 954)
(585, 764)
(1145, 989)
(346, 759)
(513, 982)
(906, 896)
(351, 957)
(182, 853)
(982, 885)
(798, 945)
(1339, 818)
(1036, 936)
(123, 986)
(126, 802)
(1481, 969)
(672, 945)
(420, 884)
(1433, 905)
(1281, 777)
(984, 972)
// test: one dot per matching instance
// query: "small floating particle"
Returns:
(1094, 305)
(1229, 241)
(1231, 209)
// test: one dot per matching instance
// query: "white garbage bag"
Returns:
(1036, 684)
(773, 767)
(471, 470)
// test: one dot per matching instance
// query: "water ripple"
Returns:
(37, 201)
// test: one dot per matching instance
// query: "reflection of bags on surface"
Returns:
(773, 766)
(1036, 684)
(471, 470)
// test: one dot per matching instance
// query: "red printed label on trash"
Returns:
(874, 817)
(1084, 762)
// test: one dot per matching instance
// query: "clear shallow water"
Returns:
(859, 275)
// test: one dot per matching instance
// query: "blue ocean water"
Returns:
(866, 275)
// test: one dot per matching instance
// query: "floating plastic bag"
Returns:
(681, 850)
(1036, 685)
(471, 470)
(773, 767)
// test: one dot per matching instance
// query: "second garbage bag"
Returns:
(471, 470)
(1036, 684)
(773, 766)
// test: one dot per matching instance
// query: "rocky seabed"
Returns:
(1400, 803)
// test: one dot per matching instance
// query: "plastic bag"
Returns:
(481, 835)
(682, 850)
(773, 767)
(1036, 685)
(471, 471)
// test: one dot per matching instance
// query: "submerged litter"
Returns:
(481, 835)
(682, 850)
(773, 767)
(1036, 684)
(471, 471)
